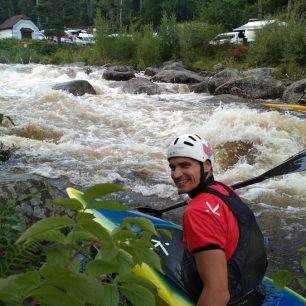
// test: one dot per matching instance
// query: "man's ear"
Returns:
(207, 166)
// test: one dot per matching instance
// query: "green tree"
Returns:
(56, 15)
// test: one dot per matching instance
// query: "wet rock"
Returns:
(173, 66)
(295, 92)
(227, 98)
(201, 87)
(223, 77)
(77, 87)
(177, 76)
(218, 67)
(4, 60)
(119, 73)
(141, 85)
(255, 88)
(42, 190)
(151, 71)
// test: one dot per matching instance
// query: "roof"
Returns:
(10, 22)
(254, 24)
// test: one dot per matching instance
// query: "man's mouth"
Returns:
(181, 183)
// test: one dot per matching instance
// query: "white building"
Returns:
(20, 27)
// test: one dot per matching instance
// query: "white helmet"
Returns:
(192, 146)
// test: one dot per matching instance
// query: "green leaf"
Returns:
(10, 292)
(84, 217)
(61, 257)
(78, 285)
(50, 296)
(71, 204)
(121, 235)
(43, 226)
(303, 249)
(142, 223)
(142, 253)
(100, 190)
(137, 294)
(110, 296)
(100, 267)
(165, 232)
(136, 279)
(125, 261)
(282, 278)
(95, 229)
(302, 282)
(79, 236)
(303, 264)
(108, 204)
(51, 235)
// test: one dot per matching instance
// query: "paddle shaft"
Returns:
(293, 164)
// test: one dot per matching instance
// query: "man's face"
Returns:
(186, 173)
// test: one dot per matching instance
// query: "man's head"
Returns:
(191, 161)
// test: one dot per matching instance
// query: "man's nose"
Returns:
(176, 173)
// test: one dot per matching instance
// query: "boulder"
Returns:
(227, 98)
(77, 87)
(41, 190)
(4, 60)
(177, 76)
(119, 73)
(141, 85)
(255, 88)
(295, 92)
(222, 77)
(259, 72)
(200, 87)
(151, 71)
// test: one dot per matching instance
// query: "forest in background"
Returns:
(50, 14)
(184, 28)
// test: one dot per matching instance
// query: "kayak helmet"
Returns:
(192, 146)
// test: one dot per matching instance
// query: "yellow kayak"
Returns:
(295, 107)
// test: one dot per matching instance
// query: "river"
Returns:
(122, 138)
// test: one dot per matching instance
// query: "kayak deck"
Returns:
(295, 107)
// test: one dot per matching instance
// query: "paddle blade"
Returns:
(296, 163)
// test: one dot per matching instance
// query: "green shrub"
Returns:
(148, 53)
(280, 44)
(106, 278)
(193, 41)
(168, 38)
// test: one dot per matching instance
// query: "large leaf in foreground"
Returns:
(43, 227)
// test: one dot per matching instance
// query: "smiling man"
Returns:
(228, 258)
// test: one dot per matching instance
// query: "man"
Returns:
(219, 231)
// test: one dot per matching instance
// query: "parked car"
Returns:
(230, 37)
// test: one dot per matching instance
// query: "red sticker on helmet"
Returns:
(207, 150)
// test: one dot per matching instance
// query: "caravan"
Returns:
(249, 29)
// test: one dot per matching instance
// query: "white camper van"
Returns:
(250, 28)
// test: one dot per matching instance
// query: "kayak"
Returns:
(171, 289)
(295, 107)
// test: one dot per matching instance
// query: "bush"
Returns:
(148, 53)
(193, 41)
(67, 274)
(280, 44)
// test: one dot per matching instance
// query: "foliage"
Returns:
(108, 276)
(283, 278)
(280, 44)
(193, 40)
(148, 53)
(14, 258)
(168, 38)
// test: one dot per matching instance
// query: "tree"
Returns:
(56, 15)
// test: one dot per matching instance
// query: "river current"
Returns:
(122, 138)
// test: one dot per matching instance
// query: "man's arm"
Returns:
(212, 268)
